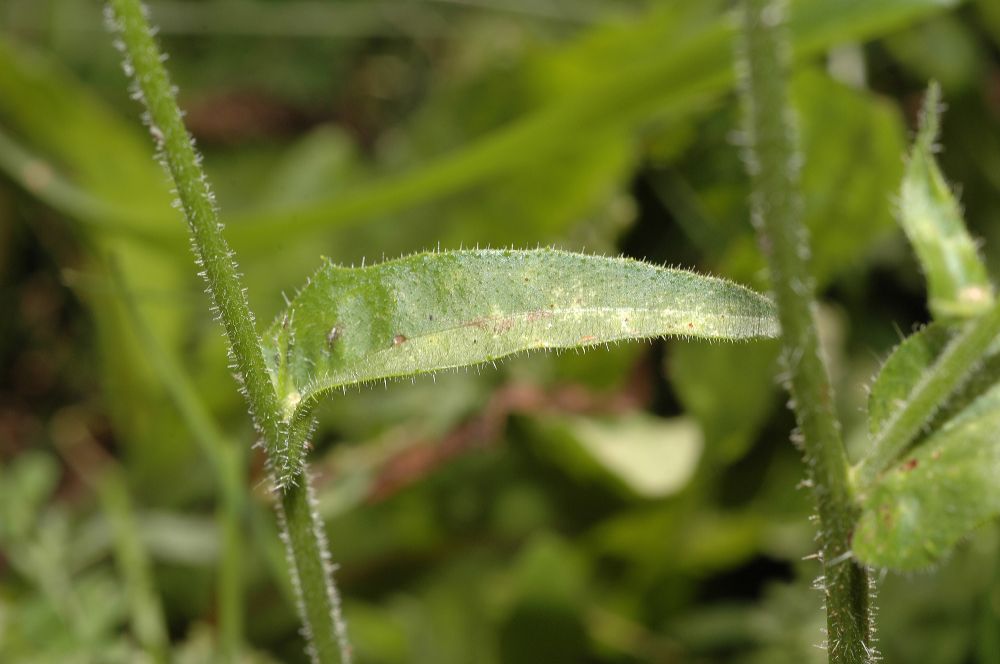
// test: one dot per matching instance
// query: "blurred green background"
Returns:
(639, 504)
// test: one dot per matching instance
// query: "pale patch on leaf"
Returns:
(652, 457)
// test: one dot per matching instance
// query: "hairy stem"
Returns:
(175, 148)
(773, 161)
(308, 560)
(303, 533)
(956, 362)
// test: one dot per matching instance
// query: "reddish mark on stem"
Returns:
(910, 464)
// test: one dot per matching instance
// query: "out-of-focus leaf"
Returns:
(656, 82)
(730, 406)
(25, 486)
(957, 283)
(923, 506)
(376, 635)
(437, 311)
(846, 207)
(944, 48)
(637, 454)
(147, 619)
(319, 164)
(544, 622)
(990, 13)
(105, 156)
(110, 163)
(780, 628)
(939, 607)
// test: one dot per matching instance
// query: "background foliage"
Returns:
(631, 505)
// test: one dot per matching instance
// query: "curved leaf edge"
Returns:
(301, 403)
(921, 349)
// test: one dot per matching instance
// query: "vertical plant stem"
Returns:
(176, 150)
(303, 533)
(773, 161)
(308, 559)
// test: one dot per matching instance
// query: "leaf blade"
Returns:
(902, 372)
(428, 312)
(957, 283)
(899, 374)
(924, 506)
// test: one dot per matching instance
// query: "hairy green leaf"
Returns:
(901, 372)
(904, 369)
(921, 508)
(441, 310)
(957, 282)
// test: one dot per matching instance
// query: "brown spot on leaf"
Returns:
(37, 175)
(500, 324)
(910, 464)
(885, 511)
(332, 335)
(538, 315)
(398, 340)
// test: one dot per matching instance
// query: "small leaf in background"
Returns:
(25, 486)
(437, 311)
(989, 18)
(638, 455)
(926, 504)
(957, 282)
(942, 605)
(846, 208)
(944, 49)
